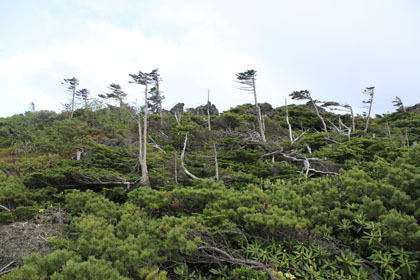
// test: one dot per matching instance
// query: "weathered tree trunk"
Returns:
(370, 110)
(160, 102)
(182, 161)
(288, 123)
(176, 169)
(143, 138)
(208, 110)
(389, 130)
(216, 164)
(72, 102)
(324, 125)
(259, 116)
(352, 119)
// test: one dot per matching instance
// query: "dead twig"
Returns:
(5, 208)
(2, 270)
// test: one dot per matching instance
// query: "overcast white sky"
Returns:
(334, 48)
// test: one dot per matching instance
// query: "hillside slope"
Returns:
(221, 203)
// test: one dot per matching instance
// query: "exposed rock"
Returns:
(109, 141)
(178, 108)
(202, 110)
(266, 110)
(414, 108)
(131, 138)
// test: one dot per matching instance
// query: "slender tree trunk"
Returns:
(176, 169)
(160, 102)
(370, 110)
(288, 123)
(139, 129)
(324, 125)
(353, 122)
(389, 130)
(72, 102)
(142, 160)
(216, 163)
(143, 164)
(182, 161)
(259, 116)
(208, 110)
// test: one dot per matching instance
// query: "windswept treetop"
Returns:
(247, 79)
(301, 95)
(71, 83)
(142, 78)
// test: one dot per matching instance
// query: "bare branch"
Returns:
(223, 255)
(182, 161)
(5, 208)
(155, 145)
(3, 268)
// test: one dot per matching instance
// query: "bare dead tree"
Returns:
(346, 127)
(370, 91)
(188, 172)
(335, 106)
(288, 123)
(214, 145)
(94, 179)
(182, 161)
(178, 116)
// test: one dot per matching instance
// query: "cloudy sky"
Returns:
(334, 48)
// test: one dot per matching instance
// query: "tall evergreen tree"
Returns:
(83, 94)
(306, 95)
(144, 79)
(398, 103)
(156, 97)
(247, 80)
(71, 85)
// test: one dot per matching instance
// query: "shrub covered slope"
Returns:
(326, 205)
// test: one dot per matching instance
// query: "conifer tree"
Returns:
(306, 95)
(71, 85)
(399, 104)
(83, 94)
(116, 93)
(144, 79)
(156, 97)
(247, 80)
(341, 107)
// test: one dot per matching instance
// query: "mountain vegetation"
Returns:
(107, 190)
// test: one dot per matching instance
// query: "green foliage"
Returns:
(263, 212)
